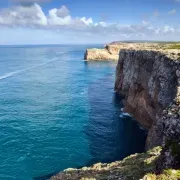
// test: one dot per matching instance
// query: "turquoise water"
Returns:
(57, 111)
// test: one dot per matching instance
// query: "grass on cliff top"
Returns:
(169, 174)
(138, 165)
(174, 46)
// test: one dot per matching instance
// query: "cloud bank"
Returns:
(60, 20)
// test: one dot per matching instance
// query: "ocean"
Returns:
(59, 111)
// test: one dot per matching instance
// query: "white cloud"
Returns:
(87, 21)
(23, 16)
(61, 17)
(61, 12)
(58, 17)
(171, 12)
(145, 22)
(61, 21)
(168, 29)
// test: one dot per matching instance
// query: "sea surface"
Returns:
(58, 111)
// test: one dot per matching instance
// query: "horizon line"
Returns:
(99, 43)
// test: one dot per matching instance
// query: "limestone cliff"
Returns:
(111, 51)
(150, 82)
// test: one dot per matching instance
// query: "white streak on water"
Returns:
(10, 74)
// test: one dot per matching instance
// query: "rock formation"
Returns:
(150, 82)
(111, 51)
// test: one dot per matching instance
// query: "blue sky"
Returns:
(88, 21)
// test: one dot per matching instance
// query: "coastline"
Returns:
(161, 117)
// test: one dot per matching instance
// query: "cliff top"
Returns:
(171, 50)
(173, 54)
(111, 51)
(147, 45)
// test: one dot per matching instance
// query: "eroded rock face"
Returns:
(100, 54)
(170, 155)
(150, 83)
(110, 52)
(149, 80)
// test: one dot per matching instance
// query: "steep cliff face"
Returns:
(150, 82)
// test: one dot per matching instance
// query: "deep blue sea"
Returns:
(58, 111)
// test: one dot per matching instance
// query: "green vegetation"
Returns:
(169, 174)
(174, 46)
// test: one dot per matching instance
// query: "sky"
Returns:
(88, 21)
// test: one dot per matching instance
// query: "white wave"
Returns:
(10, 74)
(124, 115)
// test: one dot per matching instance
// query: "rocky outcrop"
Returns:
(150, 82)
(111, 51)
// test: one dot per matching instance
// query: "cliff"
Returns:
(111, 51)
(150, 82)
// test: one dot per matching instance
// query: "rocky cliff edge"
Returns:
(150, 82)
(111, 51)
